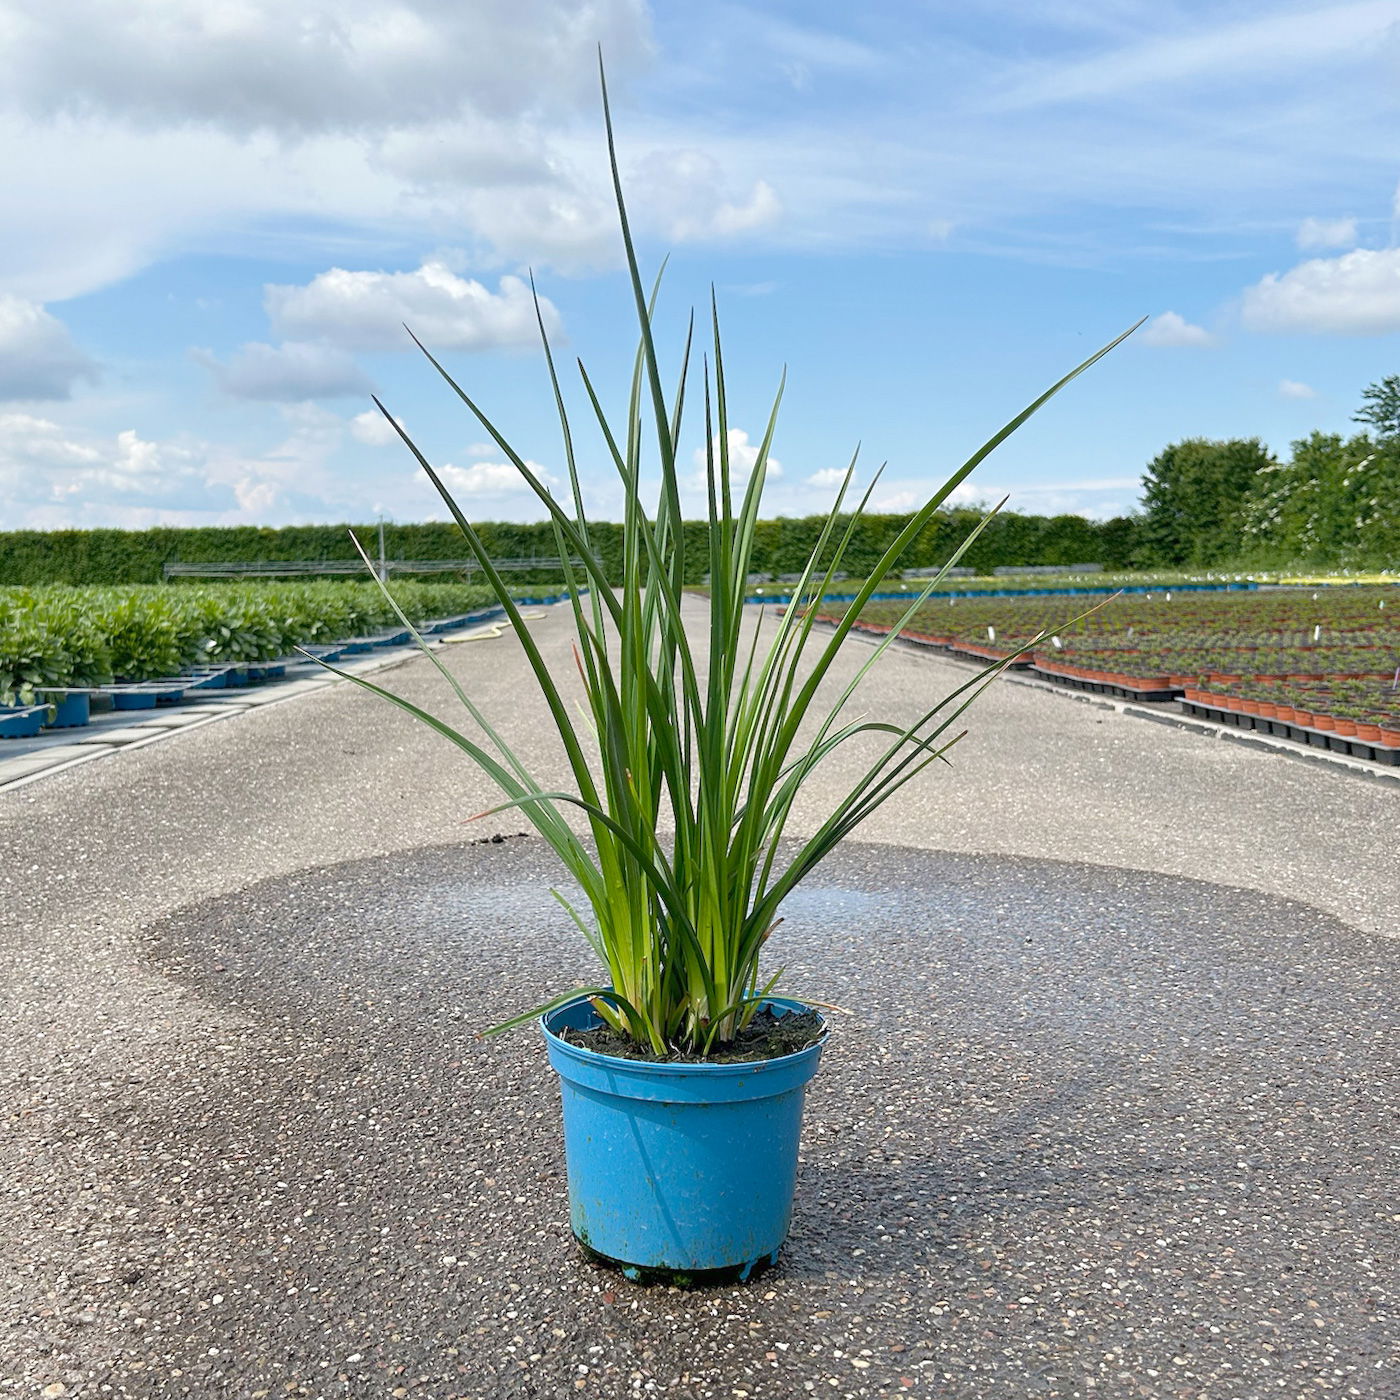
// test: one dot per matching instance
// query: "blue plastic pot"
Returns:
(679, 1173)
(71, 709)
(21, 721)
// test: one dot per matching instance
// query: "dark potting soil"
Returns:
(766, 1037)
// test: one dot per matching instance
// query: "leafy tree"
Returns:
(1333, 503)
(1381, 408)
(1193, 494)
(1120, 542)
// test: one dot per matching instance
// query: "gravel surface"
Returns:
(1094, 1128)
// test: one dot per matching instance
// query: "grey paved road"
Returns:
(1114, 1114)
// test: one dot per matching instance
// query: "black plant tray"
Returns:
(1021, 663)
(1298, 733)
(1121, 692)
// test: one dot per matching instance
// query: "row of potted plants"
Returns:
(1301, 618)
(1353, 691)
(78, 636)
(1368, 711)
(1175, 668)
(1141, 668)
(1168, 642)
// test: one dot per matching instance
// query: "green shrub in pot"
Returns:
(687, 774)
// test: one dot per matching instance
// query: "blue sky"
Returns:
(219, 213)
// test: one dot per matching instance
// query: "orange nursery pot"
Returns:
(1368, 733)
(1346, 728)
(1303, 717)
(1325, 722)
(1390, 738)
(1267, 711)
(1284, 714)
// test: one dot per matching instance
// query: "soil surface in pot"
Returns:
(766, 1037)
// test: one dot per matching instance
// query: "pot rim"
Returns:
(683, 1068)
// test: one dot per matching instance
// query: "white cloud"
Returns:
(487, 154)
(1095, 498)
(1326, 233)
(1296, 389)
(44, 464)
(179, 125)
(1201, 53)
(265, 65)
(1171, 329)
(369, 310)
(38, 359)
(761, 208)
(742, 456)
(57, 476)
(287, 373)
(373, 429)
(493, 479)
(896, 502)
(294, 470)
(1355, 294)
(827, 478)
(684, 192)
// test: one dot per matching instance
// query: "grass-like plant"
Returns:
(686, 773)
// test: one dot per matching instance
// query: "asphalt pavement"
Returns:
(1112, 1112)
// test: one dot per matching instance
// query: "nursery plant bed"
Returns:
(1297, 733)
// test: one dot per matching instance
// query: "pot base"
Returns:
(648, 1275)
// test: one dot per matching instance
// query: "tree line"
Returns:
(782, 547)
(1335, 501)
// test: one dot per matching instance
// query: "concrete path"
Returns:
(1110, 1115)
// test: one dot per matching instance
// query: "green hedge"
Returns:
(137, 556)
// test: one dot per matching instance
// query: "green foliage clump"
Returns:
(47, 641)
(61, 635)
(1380, 407)
(1335, 503)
